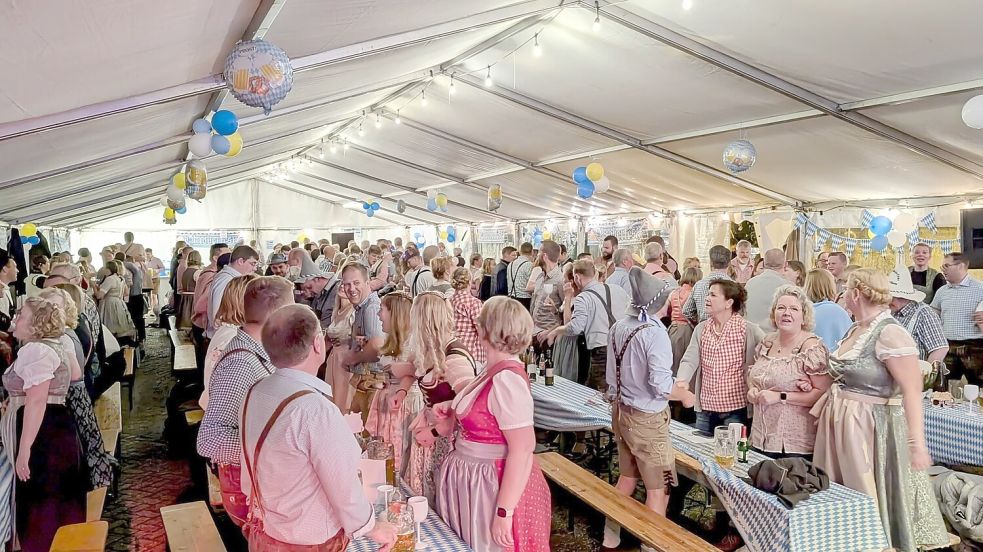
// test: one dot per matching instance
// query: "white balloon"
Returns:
(905, 222)
(602, 185)
(174, 194)
(973, 112)
(896, 238)
(163, 202)
(200, 144)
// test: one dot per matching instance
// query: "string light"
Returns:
(596, 27)
(453, 89)
(345, 146)
(687, 5)
(398, 120)
(320, 152)
(334, 148)
(361, 131)
(488, 79)
(423, 98)
(378, 121)
(537, 50)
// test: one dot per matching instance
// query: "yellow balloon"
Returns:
(168, 212)
(595, 172)
(441, 200)
(443, 234)
(179, 181)
(547, 235)
(29, 229)
(235, 144)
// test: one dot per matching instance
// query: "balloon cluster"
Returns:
(226, 139)
(450, 234)
(894, 233)
(436, 200)
(590, 180)
(258, 74)
(537, 237)
(29, 234)
(740, 156)
(494, 197)
(419, 240)
(370, 208)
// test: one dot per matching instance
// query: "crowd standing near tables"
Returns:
(420, 349)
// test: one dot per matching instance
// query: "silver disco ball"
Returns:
(739, 156)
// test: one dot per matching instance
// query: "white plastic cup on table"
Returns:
(421, 508)
(971, 392)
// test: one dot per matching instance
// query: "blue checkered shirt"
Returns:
(958, 303)
(695, 308)
(924, 324)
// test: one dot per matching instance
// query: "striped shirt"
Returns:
(695, 308)
(924, 325)
(958, 303)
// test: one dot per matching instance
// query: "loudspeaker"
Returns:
(972, 237)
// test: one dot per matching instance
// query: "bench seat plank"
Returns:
(81, 537)
(190, 527)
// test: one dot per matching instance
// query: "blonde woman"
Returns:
(399, 402)
(338, 336)
(184, 295)
(442, 366)
(492, 492)
(38, 430)
(789, 375)
(112, 308)
(100, 463)
(870, 434)
(442, 268)
(229, 317)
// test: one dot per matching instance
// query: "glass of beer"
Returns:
(724, 446)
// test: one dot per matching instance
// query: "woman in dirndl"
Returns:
(492, 492)
(38, 431)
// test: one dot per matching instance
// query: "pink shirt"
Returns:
(203, 287)
(307, 471)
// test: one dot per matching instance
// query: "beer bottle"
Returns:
(549, 370)
(531, 366)
(743, 446)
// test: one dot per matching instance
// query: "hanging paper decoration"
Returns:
(494, 197)
(259, 74)
(865, 218)
(196, 177)
(739, 156)
(835, 241)
(822, 236)
(928, 221)
(400, 206)
(851, 246)
(864, 246)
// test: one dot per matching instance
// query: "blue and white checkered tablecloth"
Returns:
(834, 520)
(954, 435)
(438, 535)
(568, 406)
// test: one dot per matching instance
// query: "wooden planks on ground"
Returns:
(652, 529)
(81, 537)
(190, 527)
(95, 502)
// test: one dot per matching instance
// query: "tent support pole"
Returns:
(774, 83)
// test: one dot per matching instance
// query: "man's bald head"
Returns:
(775, 259)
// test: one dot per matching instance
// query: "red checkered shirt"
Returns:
(466, 309)
(723, 386)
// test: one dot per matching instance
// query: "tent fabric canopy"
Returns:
(844, 102)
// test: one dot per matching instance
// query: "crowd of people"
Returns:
(423, 346)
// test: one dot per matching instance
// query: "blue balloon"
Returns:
(421, 244)
(880, 225)
(579, 174)
(181, 211)
(23, 240)
(225, 122)
(879, 243)
(375, 206)
(451, 238)
(365, 205)
(201, 126)
(585, 191)
(443, 209)
(370, 213)
(220, 144)
(431, 204)
(34, 240)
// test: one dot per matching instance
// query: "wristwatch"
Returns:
(783, 397)
(433, 431)
(503, 513)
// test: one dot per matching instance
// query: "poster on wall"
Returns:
(494, 235)
(204, 240)
(627, 232)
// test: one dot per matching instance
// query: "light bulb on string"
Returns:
(453, 89)
(378, 121)
(320, 152)
(537, 50)
(333, 148)
(423, 98)
(596, 27)
(361, 131)
(398, 120)
(488, 78)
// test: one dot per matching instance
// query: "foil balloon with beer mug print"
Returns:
(258, 74)
(196, 179)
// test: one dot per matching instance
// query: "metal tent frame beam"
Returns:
(356, 189)
(330, 202)
(353, 198)
(597, 128)
(215, 83)
(696, 49)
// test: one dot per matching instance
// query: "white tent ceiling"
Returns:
(844, 102)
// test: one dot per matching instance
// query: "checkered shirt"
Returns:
(924, 324)
(958, 303)
(723, 387)
(695, 308)
(466, 309)
(234, 374)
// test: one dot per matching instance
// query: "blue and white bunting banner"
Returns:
(864, 246)
(821, 237)
(947, 246)
(865, 218)
(835, 241)
(810, 229)
(928, 221)
(851, 246)
(800, 219)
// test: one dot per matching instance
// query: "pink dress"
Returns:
(471, 474)
(394, 427)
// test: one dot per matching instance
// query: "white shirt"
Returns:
(646, 368)
(423, 283)
(619, 278)
(590, 315)
(307, 471)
